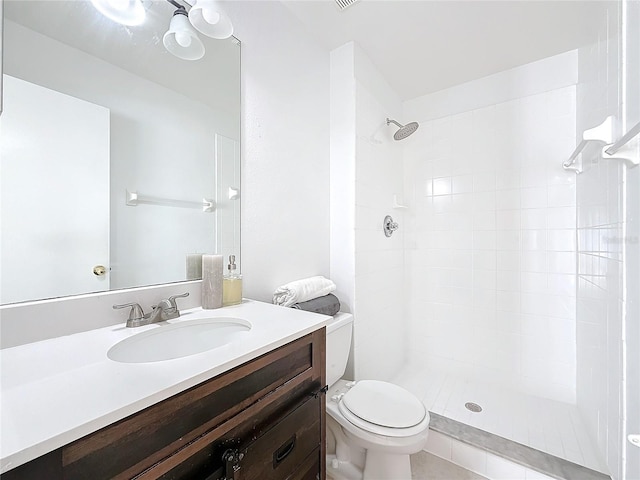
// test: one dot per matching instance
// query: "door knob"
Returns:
(99, 270)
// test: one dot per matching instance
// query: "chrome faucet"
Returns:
(165, 310)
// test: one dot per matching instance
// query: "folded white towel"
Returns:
(303, 290)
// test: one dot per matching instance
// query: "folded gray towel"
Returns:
(327, 305)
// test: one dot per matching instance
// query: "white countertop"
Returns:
(56, 391)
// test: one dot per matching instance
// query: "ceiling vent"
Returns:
(343, 4)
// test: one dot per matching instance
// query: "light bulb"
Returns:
(119, 4)
(183, 39)
(207, 17)
(211, 16)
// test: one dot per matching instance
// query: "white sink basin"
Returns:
(167, 342)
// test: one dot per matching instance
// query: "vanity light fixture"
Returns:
(182, 40)
(126, 12)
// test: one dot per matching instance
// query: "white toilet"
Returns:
(372, 426)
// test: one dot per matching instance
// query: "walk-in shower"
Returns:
(506, 282)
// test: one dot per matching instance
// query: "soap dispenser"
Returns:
(231, 284)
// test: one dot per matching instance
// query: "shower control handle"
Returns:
(389, 226)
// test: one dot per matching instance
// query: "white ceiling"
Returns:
(423, 46)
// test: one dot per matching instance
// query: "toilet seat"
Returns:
(384, 409)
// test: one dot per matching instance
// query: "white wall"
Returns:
(491, 253)
(366, 173)
(285, 155)
(342, 192)
(380, 335)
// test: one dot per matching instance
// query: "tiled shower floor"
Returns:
(546, 425)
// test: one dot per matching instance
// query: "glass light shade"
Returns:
(182, 40)
(125, 12)
(208, 18)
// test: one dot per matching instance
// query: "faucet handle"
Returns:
(136, 312)
(172, 299)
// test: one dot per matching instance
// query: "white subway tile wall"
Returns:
(491, 258)
(600, 304)
(600, 227)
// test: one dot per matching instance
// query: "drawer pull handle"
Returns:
(282, 453)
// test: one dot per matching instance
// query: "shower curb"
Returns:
(528, 457)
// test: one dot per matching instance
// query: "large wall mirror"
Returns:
(120, 163)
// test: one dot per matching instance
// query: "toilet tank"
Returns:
(339, 331)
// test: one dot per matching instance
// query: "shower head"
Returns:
(405, 130)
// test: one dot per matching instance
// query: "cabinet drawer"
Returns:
(276, 451)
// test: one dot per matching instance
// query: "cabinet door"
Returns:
(284, 447)
(310, 468)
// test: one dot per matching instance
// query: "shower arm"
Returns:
(393, 121)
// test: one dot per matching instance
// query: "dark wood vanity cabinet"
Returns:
(262, 420)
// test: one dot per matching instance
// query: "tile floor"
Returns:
(425, 466)
(546, 425)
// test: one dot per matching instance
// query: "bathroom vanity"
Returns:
(251, 409)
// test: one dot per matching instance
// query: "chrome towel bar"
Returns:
(626, 138)
(133, 199)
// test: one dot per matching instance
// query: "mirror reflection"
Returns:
(120, 162)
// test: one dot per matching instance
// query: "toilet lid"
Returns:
(384, 404)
